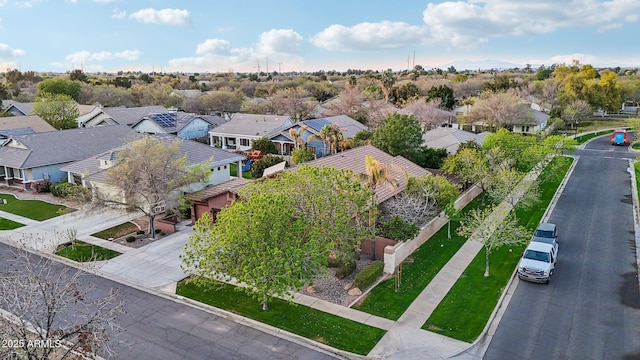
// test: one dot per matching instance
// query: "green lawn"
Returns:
(32, 209)
(417, 272)
(584, 138)
(233, 170)
(465, 310)
(82, 252)
(6, 224)
(117, 231)
(334, 331)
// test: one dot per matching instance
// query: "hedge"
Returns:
(369, 274)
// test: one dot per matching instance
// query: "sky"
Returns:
(304, 35)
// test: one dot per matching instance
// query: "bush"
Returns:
(346, 269)
(157, 231)
(130, 238)
(258, 166)
(43, 186)
(265, 145)
(397, 229)
(369, 275)
(334, 262)
(70, 191)
(140, 232)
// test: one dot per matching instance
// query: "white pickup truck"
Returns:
(540, 257)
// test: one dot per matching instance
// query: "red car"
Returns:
(619, 137)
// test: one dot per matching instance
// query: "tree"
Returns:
(399, 135)
(60, 86)
(55, 305)
(265, 145)
(422, 199)
(377, 174)
(430, 158)
(387, 80)
(78, 75)
(445, 94)
(293, 102)
(302, 154)
(471, 166)
(576, 111)
(507, 186)
(397, 229)
(58, 110)
(275, 242)
(493, 227)
(227, 102)
(258, 166)
(151, 172)
(501, 110)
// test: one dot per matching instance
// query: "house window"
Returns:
(526, 129)
(218, 168)
(244, 142)
(225, 166)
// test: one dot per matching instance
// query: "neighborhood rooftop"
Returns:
(251, 124)
(354, 160)
(57, 147)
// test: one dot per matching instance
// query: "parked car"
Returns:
(546, 233)
(619, 137)
(538, 261)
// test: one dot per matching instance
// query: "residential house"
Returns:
(354, 159)
(185, 126)
(212, 199)
(22, 125)
(540, 123)
(309, 133)
(450, 138)
(22, 109)
(26, 159)
(430, 116)
(91, 171)
(240, 129)
(128, 115)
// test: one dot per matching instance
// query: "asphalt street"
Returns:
(591, 308)
(155, 327)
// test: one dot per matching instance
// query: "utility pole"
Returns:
(258, 66)
(279, 67)
(267, 65)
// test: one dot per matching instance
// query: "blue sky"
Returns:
(300, 35)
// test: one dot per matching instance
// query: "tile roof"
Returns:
(59, 147)
(354, 160)
(252, 124)
(36, 123)
(231, 185)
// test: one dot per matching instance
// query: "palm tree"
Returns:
(297, 137)
(377, 174)
(324, 135)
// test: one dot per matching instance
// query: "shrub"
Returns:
(265, 145)
(70, 191)
(43, 186)
(157, 231)
(258, 166)
(397, 229)
(130, 238)
(140, 232)
(346, 269)
(333, 262)
(369, 274)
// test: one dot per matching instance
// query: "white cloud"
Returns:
(118, 14)
(277, 45)
(279, 41)
(164, 16)
(3, 3)
(214, 47)
(87, 57)
(5, 50)
(470, 23)
(369, 36)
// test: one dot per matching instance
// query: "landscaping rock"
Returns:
(348, 285)
(354, 292)
(311, 290)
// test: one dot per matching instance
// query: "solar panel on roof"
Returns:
(165, 120)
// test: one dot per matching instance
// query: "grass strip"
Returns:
(417, 272)
(117, 231)
(465, 310)
(32, 209)
(83, 252)
(6, 224)
(332, 330)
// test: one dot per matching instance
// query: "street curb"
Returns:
(636, 216)
(308, 343)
